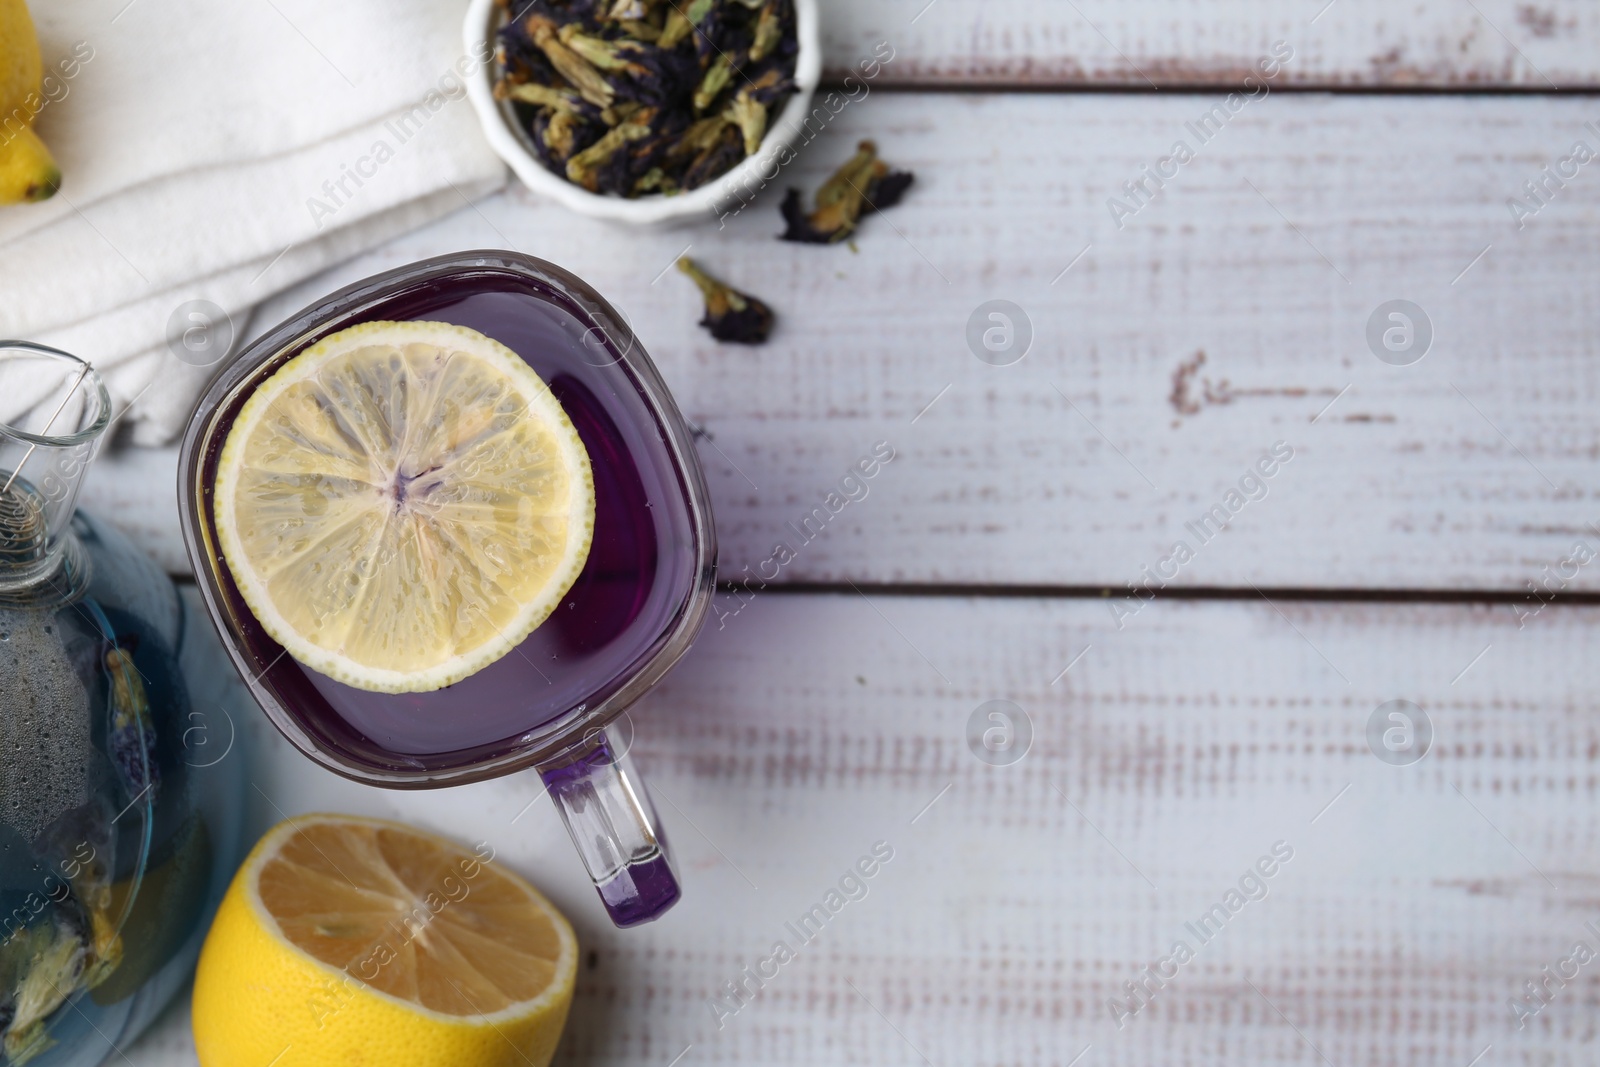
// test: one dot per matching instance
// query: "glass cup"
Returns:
(636, 608)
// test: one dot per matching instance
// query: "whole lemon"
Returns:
(27, 170)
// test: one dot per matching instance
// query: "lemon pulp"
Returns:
(402, 503)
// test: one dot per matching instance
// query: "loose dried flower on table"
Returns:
(632, 97)
(863, 185)
(730, 315)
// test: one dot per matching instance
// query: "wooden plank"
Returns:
(1083, 463)
(1164, 763)
(1111, 43)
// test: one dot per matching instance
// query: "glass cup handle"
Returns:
(603, 801)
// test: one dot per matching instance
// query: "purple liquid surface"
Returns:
(639, 575)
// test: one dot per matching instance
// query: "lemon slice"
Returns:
(348, 940)
(402, 503)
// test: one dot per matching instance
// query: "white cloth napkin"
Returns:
(222, 152)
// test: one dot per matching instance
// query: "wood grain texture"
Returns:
(1227, 314)
(1112, 43)
(1164, 763)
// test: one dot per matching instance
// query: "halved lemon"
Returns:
(345, 940)
(402, 503)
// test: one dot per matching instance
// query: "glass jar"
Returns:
(120, 791)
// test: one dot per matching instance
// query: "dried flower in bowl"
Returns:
(863, 185)
(634, 97)
(730, 315)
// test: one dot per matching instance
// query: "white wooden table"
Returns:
(1174, 741)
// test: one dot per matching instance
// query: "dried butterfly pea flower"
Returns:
(559, 134)
(569, 64)
(681, 22)
(698, 138)
(584, 167)
(730, 315)
(655, 180)
(863, 185)
(132, 734)
(849, 182)
(769, 32)
(543, 96)
(576, 70)
(749, 107)
(653, 153)
(722, 156)
(750, 115)
(718, 26)
(522, 61)
(716, 79)
(648, 32)
(771, 84)
(676, 31)
(603, 54)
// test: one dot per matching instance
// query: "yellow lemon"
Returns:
(27, 170)
(354, 941)
(402, 503)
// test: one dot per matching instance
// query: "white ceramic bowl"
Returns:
(512, 143)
